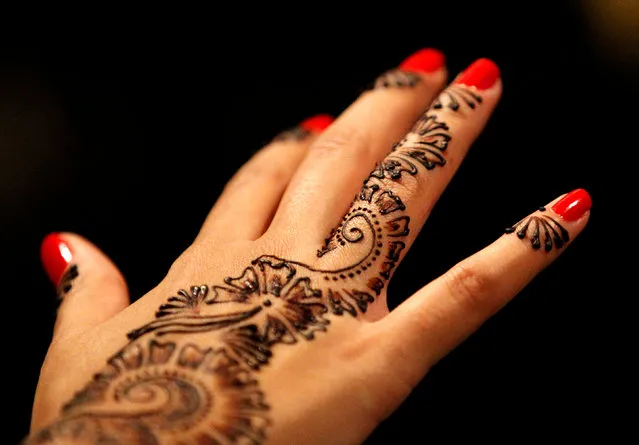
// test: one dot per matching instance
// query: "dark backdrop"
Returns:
(126, 130)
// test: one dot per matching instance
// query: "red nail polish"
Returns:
(481, 74)
(425, 60)
(56, 256)
(574, 205)
(317, 123)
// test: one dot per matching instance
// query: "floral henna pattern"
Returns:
(541, 229)
(396, 79)
(294, 134)
(454, 96)
(152, 387)
(208, 386)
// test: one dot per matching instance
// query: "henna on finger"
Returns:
(395, 79)
(541, 228)
(210, 383)
(66, 282)
(426, 61)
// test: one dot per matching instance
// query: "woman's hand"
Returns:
(273, 325)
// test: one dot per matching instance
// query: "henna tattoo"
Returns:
(396, 79)
(538, 228)
(294, 134)
(426, 143)
(454, 95)
(66, 282)
(205, 391)
(152, 387)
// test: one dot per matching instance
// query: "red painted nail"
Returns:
(317, 123)
(482, 74)
(56, 256)
(574, 205)
(425, 60)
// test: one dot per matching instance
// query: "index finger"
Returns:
(445, 312)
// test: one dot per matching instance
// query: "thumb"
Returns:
(90, 287)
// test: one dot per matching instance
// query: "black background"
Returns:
(125, 130)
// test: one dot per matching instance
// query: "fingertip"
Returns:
(56, 255)
(426, 60)
(317, 123)
(573, 206)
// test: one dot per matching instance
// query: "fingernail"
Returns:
(573, 206)
(425, 60)
(56, 256)
(481, 74)
(317, 123)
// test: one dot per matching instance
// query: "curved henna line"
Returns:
(454, 92)
(553, 232)
(394, 171)
(359, 233)
(430, 144)
(178, 399)
(66, 282)
(395, 79)
(565, 235)
(301, 316)
(327, 271)
(209, 321)
(429, 150)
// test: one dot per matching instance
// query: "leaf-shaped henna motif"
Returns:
(184, 301)
(192, 393)
(456, 95)
(396, 79)
(541, 229)
(398, 226)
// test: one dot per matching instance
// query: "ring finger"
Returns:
(331, 172)
(245, 207)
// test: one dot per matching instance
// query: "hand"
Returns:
(265, 331)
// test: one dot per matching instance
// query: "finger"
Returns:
(90, 287)
(398, 195)
(406, 184)
(331, 172)
(442, 314)
(248, 202)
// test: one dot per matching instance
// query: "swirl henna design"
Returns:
(160, 389)
(538, 228)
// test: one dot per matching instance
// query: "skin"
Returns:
(337, 387)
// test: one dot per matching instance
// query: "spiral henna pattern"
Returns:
(161, 389)
(154, 387)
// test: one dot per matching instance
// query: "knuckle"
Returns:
(339, 138)
(469, 287)
(268, 173)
